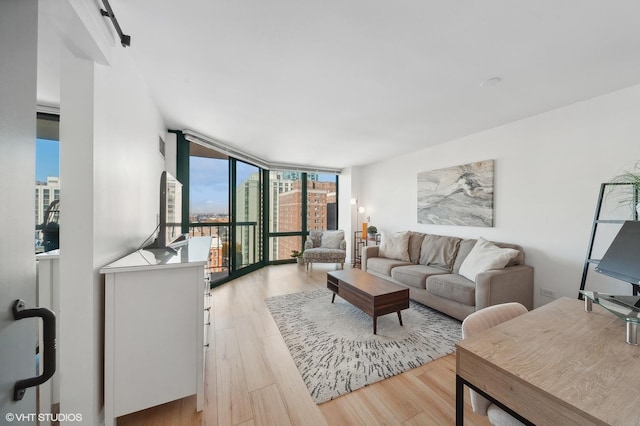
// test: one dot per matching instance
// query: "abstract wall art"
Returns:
(460, 195)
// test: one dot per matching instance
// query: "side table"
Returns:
(359, 243)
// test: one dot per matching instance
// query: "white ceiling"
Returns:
(343, 83)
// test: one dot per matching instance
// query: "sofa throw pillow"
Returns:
(395, 246)
(485, 256)
(439, 251)
(332, 239)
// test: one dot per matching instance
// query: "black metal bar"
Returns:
(49, 342)
(594, 228)
(459, 401)
(125, 40)
(460, 382)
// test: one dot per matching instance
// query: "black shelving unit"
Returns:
(359, 243)
(594, 229)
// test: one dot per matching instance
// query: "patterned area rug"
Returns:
(334, 347)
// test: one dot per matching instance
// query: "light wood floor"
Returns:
(251, 378)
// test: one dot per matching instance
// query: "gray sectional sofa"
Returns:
(430, 266)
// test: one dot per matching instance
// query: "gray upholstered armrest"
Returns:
(367, 252)
(308, 244)
(343, 245)
(512, 284)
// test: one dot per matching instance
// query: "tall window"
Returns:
(226, 203)
(299, 202)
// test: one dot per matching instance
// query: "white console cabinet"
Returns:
(154, 328)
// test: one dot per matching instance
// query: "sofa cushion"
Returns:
(320, 254)
(415, 275)
(439, 251)
(415, 242)
(382, 265)
(332, 239)
(485, 256)
(395, 246)
(453, 287)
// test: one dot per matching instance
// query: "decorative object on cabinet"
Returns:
(460, 195)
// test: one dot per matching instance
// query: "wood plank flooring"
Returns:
(251, 378)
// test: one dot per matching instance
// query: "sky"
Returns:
(47, 159)
(209, 184)
(209, 187)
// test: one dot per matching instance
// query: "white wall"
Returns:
(127, 160)
(110, 170)
(548, 171)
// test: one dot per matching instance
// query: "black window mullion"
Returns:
(232, 214)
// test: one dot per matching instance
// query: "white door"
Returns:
(18, 339)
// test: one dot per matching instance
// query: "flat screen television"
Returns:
(622, 259)
(170, 217)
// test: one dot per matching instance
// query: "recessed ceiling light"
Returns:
(490, 82)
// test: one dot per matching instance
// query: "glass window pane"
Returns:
(322, 211)
(208, 190)
(209, 209)
(248, 218)
(280, 248)
(46, 192)
(219, 252)
(285, 201)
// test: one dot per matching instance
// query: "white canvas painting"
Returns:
(460, 195)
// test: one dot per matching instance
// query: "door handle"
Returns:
(49, 338)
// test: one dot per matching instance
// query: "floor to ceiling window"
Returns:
(255, 216)
(225, 202)
(209, 206)
(299, 202)
(285, 214)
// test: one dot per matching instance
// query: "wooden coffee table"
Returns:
(372, 295)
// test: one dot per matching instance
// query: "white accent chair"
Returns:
(475, 323)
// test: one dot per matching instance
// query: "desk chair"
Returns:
(475, 323)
